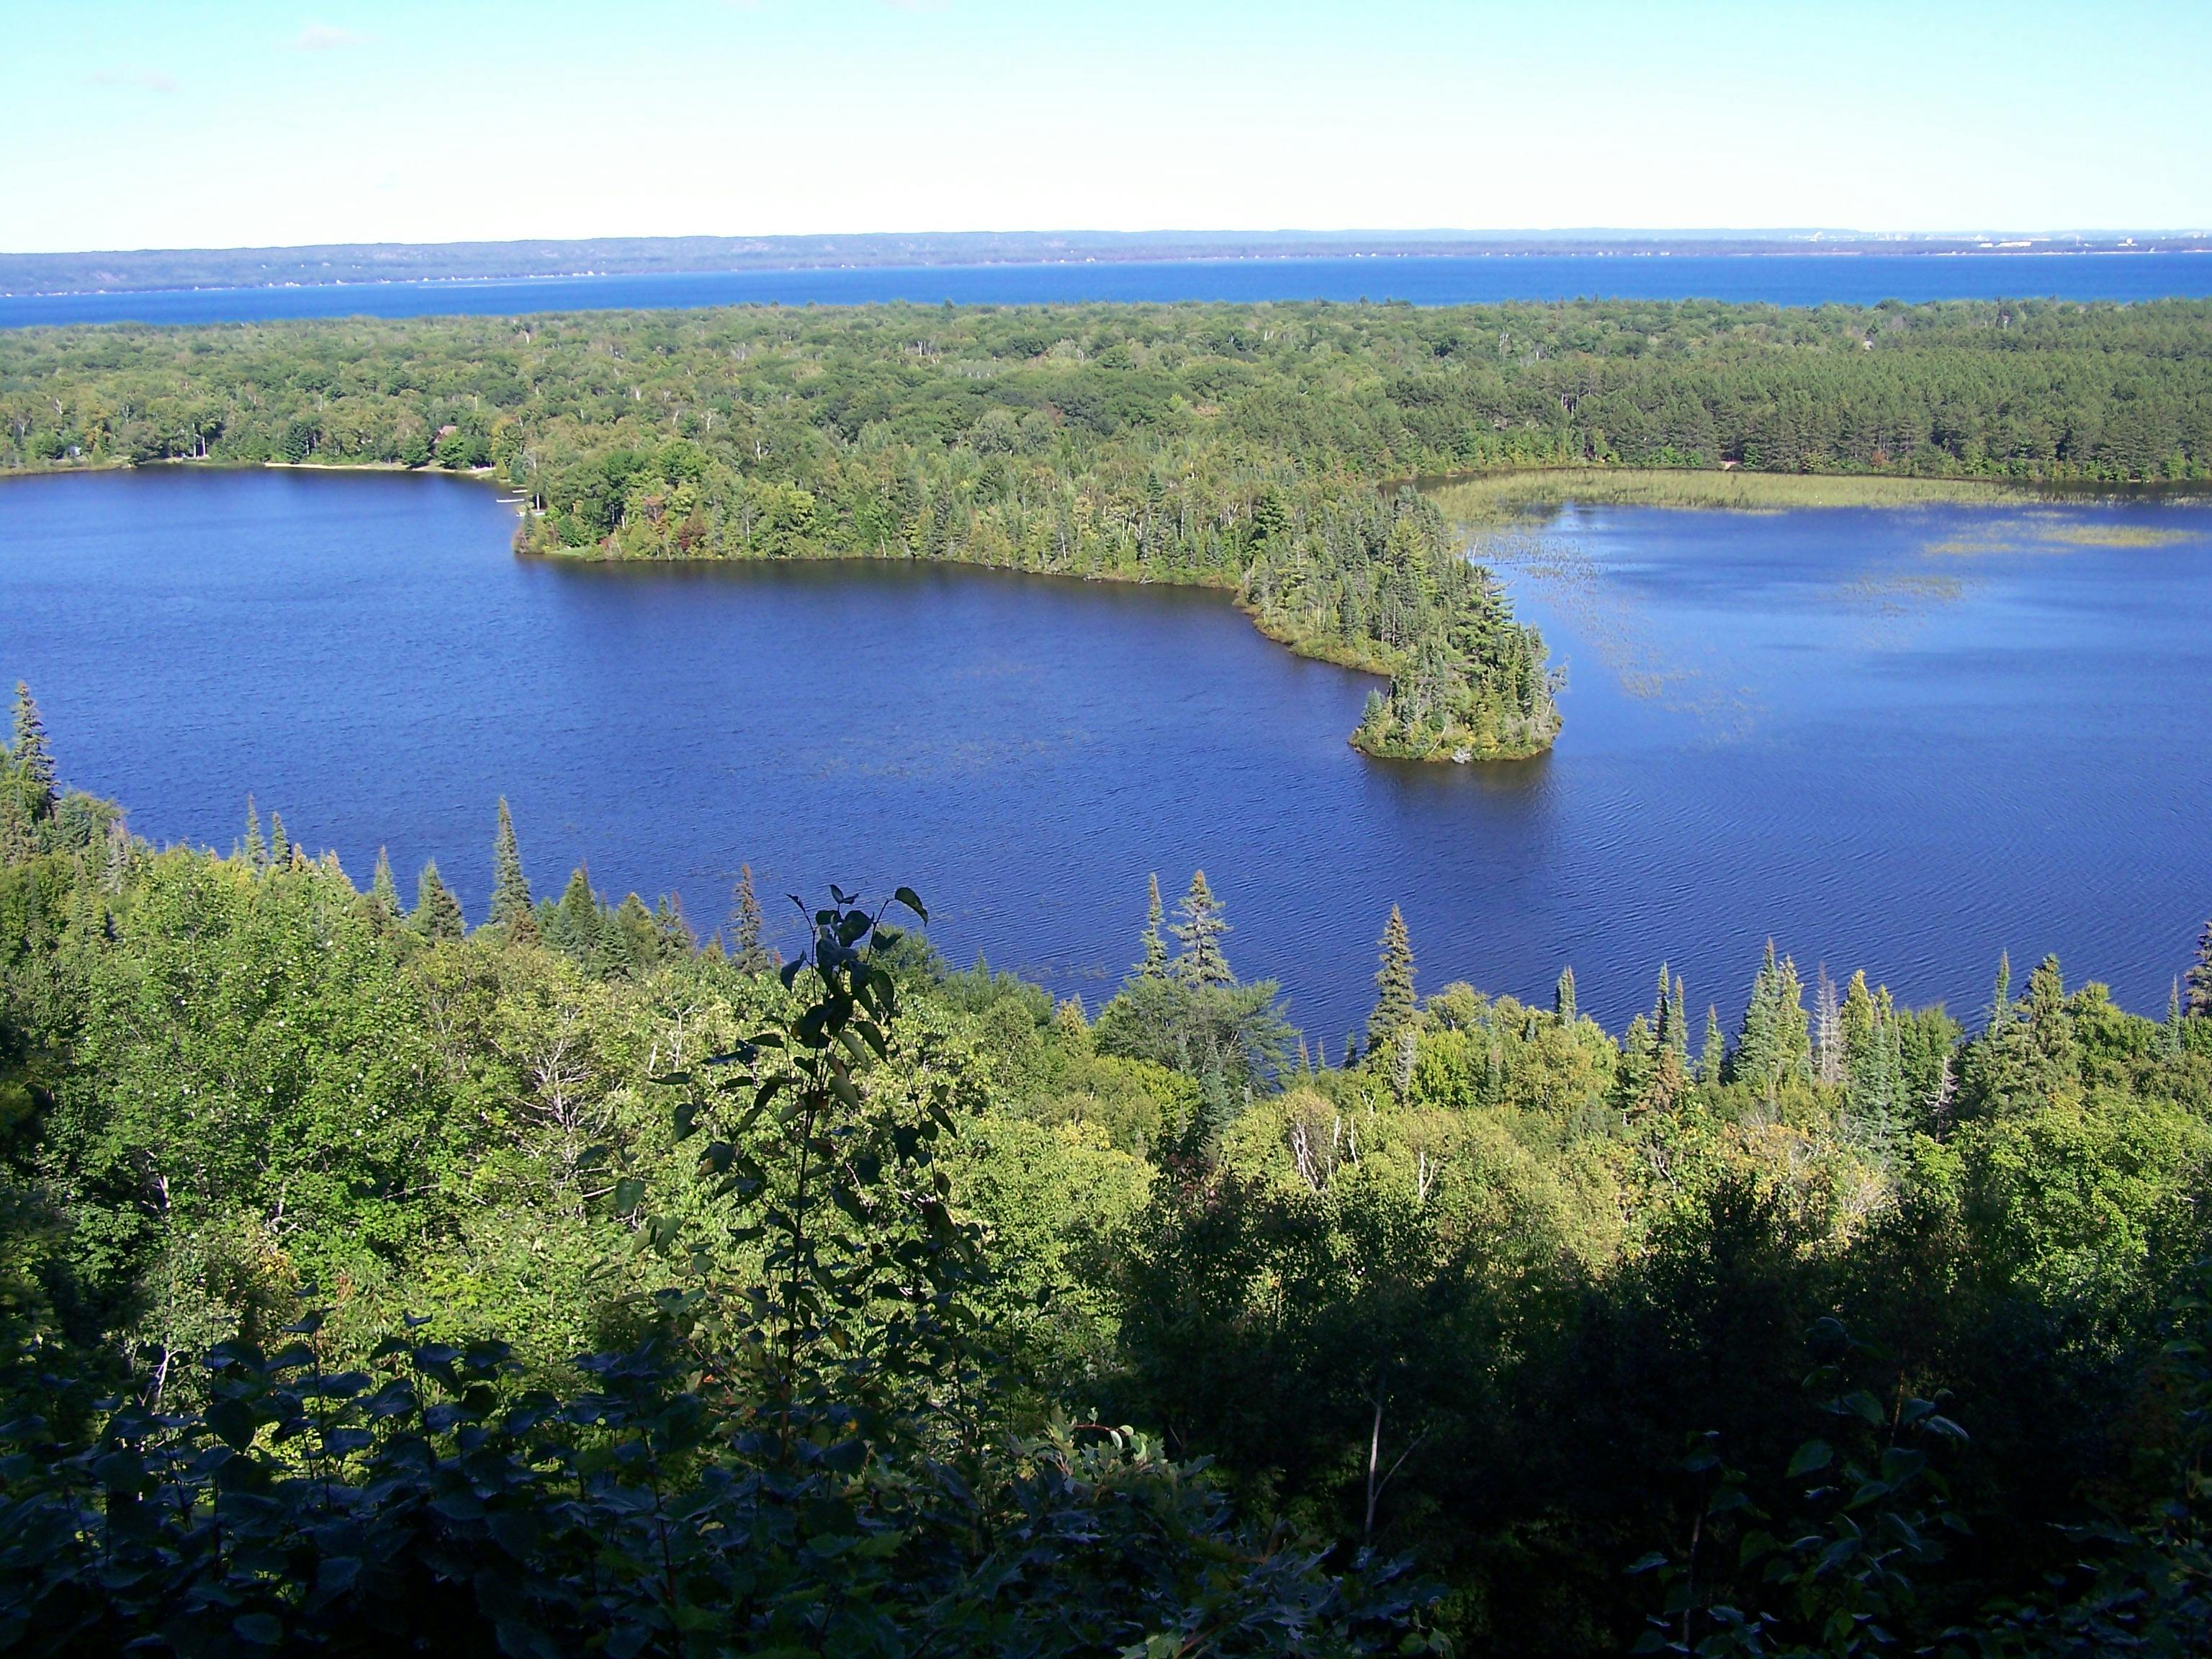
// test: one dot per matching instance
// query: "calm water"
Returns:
(1774, 279)
(1901, 740)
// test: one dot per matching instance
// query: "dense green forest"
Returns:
(1256, 447)
(374, 1278)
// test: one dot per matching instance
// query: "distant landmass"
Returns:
(146, 269)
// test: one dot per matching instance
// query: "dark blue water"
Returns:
(1902, 740)
(1772, 279)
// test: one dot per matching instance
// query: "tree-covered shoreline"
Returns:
(1244, 447)
(1823, 1325)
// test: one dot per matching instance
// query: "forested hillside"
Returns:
(1787, 1321)
(1250, 448)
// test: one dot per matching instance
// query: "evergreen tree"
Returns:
(1394, 985)
(1712, 1059)
(383, 891)
(1679, 1040)
(1752, 1059)
(1867, 1036)
(2174, 1018)
(1201, 961)
(280, 844)
(510, 888)
(1350, 1049)
(1563, 997)
(574, 925)
(746, 924)
(31, 758)
(257, 850)
(437, 912)
(2199, 984)
(1662, 1020)
(1793, 1031)
(1155, 963)
(2001, 999)
(1774, 1042)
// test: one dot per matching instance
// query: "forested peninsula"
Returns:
(1255, 449)
(377, 1278)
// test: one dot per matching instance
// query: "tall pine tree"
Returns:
(510, 888)
(1393, 985)
(383, 891)
(1155, 963)
(1563, 997)
(31, 760)
(746, 924)
(1201, 961)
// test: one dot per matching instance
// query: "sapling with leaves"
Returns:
(827, 1162)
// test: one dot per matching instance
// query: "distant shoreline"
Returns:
(94, 275)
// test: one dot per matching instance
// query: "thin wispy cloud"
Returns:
(145, 80)
(325, 37)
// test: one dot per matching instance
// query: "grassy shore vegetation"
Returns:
(1498, 497)
(1239, 446)
(373, 1281)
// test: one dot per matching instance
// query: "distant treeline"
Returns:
(1233, 445)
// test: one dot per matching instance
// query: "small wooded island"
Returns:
(1257, 448)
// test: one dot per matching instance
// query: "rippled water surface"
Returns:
(1900, 739)
(1794, 279)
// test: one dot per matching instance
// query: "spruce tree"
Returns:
(280, 844)
(1680, 1041)
(32, 759)
(257, 850)
(1201, 962)
(1793, 1031)
(1712, 1059)
(2001, 999)
(574, 925)
(510, 888)
(437, 912)
(1394, 985)
(1752, 1059)
(746, 924)
(1155, 963)
(1563, 997)
(383, 891)
(2199, 983)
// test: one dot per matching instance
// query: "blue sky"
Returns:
(217, 123)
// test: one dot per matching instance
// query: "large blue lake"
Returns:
(1773, 279)
(1896, 739)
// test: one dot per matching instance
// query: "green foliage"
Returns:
(860, 1244)
(776, 1470)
